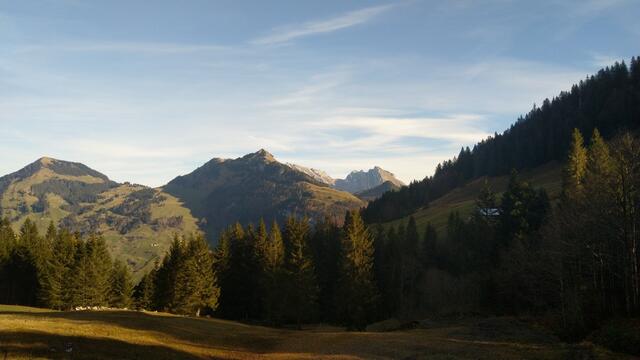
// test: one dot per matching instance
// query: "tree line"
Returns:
(292, 274)
(64, 271)
(609, 101)
(60, 270)
(573, 262)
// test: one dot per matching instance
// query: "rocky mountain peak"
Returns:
(360, 180)
(46, 161)
(261, 154)
(315, 174)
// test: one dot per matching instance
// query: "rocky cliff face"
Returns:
(316, 174)
(359, 181)
(356, 182)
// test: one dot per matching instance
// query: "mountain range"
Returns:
(139, 222)
(357, 181)
(255, 186)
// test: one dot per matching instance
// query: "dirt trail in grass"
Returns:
(134, 335)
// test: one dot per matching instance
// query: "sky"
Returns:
(144, 91)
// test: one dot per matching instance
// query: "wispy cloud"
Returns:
(317, 86)
(124, 47)
(384, 131)
(590, 8)
(353, 18)
(603, 60)
(577, 14)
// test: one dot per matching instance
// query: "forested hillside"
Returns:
(609, 101)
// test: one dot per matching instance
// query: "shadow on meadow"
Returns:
(188, 338)
(28, 345)
(212, 333)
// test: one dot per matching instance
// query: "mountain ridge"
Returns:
(255, 186)
(360, 180)
(137, 222)
(355, 182)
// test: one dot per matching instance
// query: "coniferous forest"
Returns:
(573, 263)
(608, 101)
(310, 180)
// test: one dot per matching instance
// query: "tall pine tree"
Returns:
(358, 293)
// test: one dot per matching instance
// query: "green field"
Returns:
(462, 199)
(27, 333)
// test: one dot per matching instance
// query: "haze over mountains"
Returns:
(139, 222)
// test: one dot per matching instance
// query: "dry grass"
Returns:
(30, 333)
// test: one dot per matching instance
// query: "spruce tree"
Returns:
(325, 245)
(26, 265)
(429, 247)
(274, 275)
(78, 279)
(391, 291)
(261, 243)
(237, 282)
(411, 264)
(222, 267)
(52, 279)
(7, 239)
(98, 271)
(121, 289)
(196, 283)
(302, 288)
(358, 292)
(144, 291)
(165, 293)
(64, 254)
(7, 244)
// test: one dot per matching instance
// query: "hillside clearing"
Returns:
(462, 199)
(31, 333)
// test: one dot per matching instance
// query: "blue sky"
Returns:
(147, 90)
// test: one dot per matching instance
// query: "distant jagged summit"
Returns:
(359, 181)
(356, 182)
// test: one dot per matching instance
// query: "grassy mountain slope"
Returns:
(27, 333)
(462, 199)
(376, 192)
(252, 187)
(138, 222)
